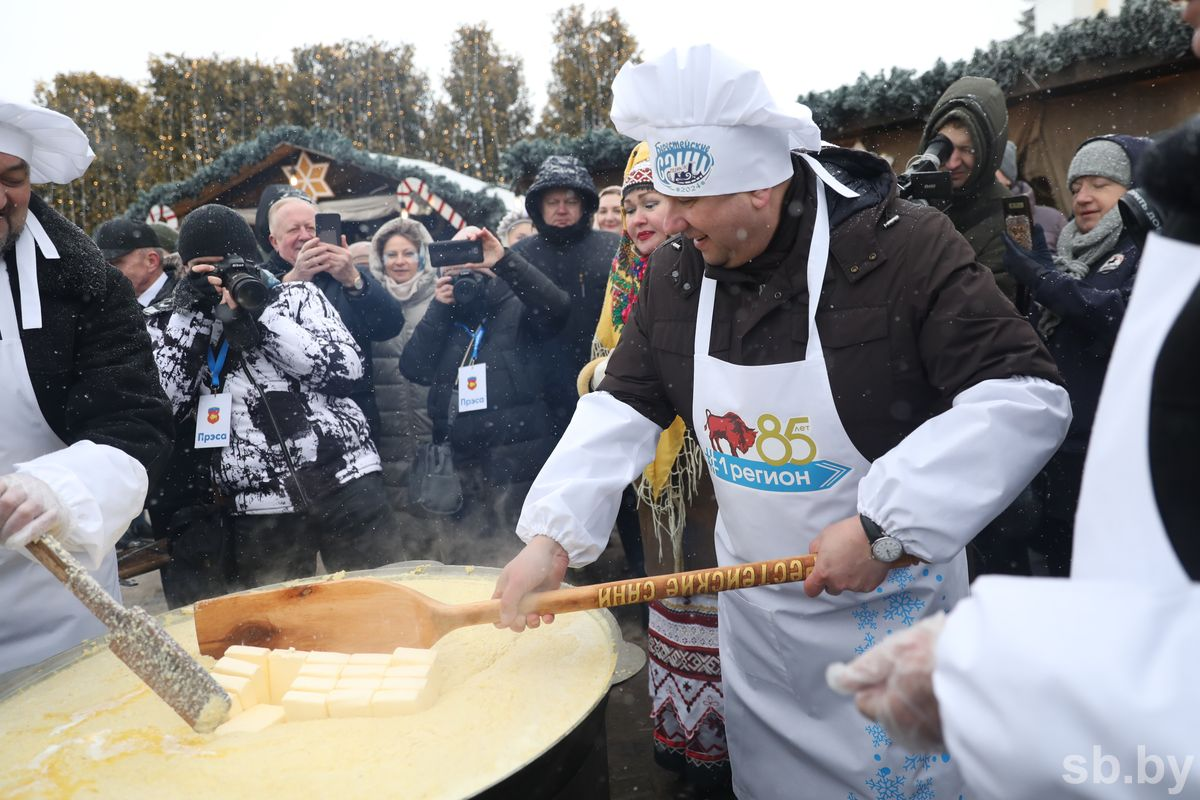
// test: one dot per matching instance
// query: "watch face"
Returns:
(887, 549)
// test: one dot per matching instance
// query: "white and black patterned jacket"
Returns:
(306, 364)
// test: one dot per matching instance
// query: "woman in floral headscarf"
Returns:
(676, 505)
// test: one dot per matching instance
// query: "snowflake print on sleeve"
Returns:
(879, 736)
(915, 763)
(901, 577)
(903, 606)
(923, 790)
(868, 643)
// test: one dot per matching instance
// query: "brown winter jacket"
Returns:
(907, 320)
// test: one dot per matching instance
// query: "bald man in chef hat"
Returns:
(859, 422)
(84, 415)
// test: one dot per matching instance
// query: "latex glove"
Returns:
(1028, 267)
(29, 509)
(892, 683)
(540, 566)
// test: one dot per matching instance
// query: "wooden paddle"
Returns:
(368, 615)
(141, 643)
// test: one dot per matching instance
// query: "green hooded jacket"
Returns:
(976, 210)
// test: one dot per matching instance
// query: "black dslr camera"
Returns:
(244, 281)
(1140, 215)
(468, 285)
(923, 180)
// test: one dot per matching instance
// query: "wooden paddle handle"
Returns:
(676, 584)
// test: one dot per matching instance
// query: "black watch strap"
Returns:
(874, 532)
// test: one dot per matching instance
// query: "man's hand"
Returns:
(443, 290)
(540, 566)
(29, 509)
(892, 683)
(317, 256)
(844, 562)
(493, 251)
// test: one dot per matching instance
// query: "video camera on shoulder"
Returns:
(244, 281)
(923, 180)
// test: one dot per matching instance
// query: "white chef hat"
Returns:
(712, 124)
(56, 150)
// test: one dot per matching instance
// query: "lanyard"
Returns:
(216, 363)
(473, 347)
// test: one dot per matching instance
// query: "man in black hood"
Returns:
(973, 115)
(561, 202)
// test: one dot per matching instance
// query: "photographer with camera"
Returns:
(475, 349)
(260, 370)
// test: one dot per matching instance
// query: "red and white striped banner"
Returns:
(411, 188)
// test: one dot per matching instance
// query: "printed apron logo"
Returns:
(787, 454)
(214, 415)
(685, 164)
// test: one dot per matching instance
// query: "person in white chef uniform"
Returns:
(83, 414)
(894, 414)
(1086, 687)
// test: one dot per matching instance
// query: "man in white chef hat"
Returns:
(1087, 687)
(83, 413)
(888, 419)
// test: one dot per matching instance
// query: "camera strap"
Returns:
(472, 351)
(471, 387)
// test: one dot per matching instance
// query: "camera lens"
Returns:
(249, 292)
(467, 288)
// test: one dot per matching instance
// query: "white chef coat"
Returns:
(1064, 688)
(103, 488)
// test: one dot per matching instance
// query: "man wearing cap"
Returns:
(561, 202)
(888, 418)
(134, 249)
(86, 424)
(293, 466)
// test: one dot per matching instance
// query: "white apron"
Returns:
(1118, 530)
(783, 469)
(39, 617)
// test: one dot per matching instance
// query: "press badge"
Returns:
(212, 420)
(472, 388)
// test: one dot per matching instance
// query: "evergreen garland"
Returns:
(600, 150)
(1143, 28)
(477, 208)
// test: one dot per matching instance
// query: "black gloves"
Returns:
(241, 327)
(195, 293)
(1025, 266)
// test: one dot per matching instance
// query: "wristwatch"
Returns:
(357, 286)
(884, 548)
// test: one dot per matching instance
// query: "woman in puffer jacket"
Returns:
(400, 260)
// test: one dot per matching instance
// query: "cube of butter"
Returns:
(349, 703)
(367, 684)
(311, 670)
(362, 671)
(283, 666)
(242, 688)
(246, 669)
(413, 655)
(382, 659)
(416, 684)
(323, 657)
(300, 706)
(394, 702)
(259, 718)
(247, 652)
(305, 683)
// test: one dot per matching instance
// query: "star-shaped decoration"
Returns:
(309, 177)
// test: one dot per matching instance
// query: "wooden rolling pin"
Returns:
(141, 643)
(368, 615)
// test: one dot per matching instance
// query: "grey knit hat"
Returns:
(1103, 158)
(1008, 164)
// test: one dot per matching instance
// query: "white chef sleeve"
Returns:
(575, 497)
(1055, 688)
(954, 474)
(102, 487)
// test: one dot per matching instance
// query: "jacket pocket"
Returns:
(674, 336)
(848, 327)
